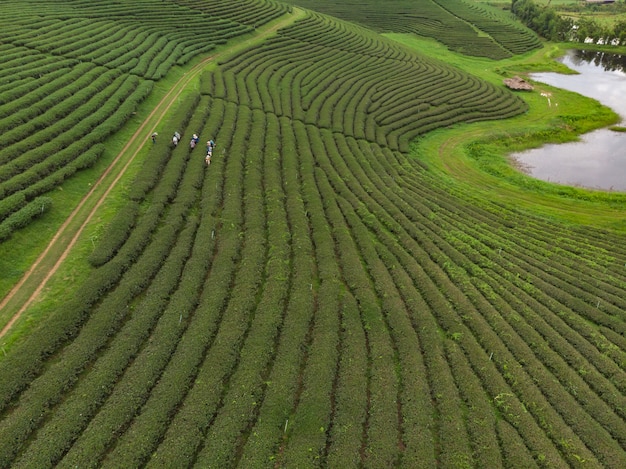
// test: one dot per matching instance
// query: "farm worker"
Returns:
(192, 143)
(195, 139)
(210, 145)
(207, 159)
(175, 140)
(154, 136)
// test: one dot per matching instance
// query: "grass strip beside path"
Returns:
(30, 287)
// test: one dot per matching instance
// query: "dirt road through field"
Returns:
(30, 286)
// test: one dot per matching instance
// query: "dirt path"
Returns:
(30, 286)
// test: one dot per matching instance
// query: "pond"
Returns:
(598, 160)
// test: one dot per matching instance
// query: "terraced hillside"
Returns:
(346, 79)
(316, 297)
(73, 72)
(463, 26)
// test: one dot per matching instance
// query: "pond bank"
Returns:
(598, 160)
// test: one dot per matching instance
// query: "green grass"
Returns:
(603, 19)
(493, 71)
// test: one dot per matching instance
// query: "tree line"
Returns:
(546, 22)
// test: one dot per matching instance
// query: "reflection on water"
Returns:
(598, 161)
(581, 163)
(602, 60)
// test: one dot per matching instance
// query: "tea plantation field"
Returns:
(317, 296)
(466, 27)
(72, 73)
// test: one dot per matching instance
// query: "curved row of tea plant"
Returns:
(71, 78)
(381, 94)
(315, 297)
(44, 145)
(250, 13)
(505, 30)
(145, 38)
(431, 268)
(455, 24)
(473, 267)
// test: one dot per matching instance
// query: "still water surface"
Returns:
(598, 161)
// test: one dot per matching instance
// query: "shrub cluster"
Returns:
(24, 216)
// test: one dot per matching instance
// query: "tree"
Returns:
(620, 31)
(588, 27)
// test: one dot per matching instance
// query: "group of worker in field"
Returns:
(210, 144)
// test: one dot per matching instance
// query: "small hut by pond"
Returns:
(518, 83)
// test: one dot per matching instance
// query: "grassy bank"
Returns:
(477, 155)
